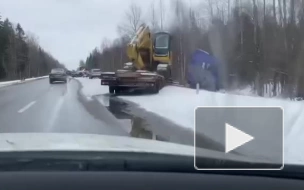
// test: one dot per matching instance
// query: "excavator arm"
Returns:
(139, 50)
(147, 51)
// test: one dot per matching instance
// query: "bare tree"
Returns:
(260, 41)
(228, 4)
(81, 63)
(32, 38)
(154, 22)
(33, 43)
(132, 22)
(210, 8)
(274, 9)
(161, 13)
(105, 44)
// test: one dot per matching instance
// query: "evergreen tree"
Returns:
(21, 51)
(21, 57)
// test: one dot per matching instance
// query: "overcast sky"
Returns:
(69, 29)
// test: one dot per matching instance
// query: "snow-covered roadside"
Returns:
(6, 83)
(92, 87)
(177, 104)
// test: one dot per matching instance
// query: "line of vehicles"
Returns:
(61, 74)
(93, 73)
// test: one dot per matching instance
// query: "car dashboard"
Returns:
(93, 170)
(140, 180)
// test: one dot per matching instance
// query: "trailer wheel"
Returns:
(156, 88)
(111, 89)
(117, 90)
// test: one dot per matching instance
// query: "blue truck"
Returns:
(203, 69)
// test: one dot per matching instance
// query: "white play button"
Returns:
(243, 130)
(235, 138)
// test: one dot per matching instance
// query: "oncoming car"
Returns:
(58, 74)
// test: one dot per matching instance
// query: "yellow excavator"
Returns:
(150, 63)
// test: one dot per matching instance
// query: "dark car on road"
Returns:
(95, 73)
(77, 74)
(74, 74)
(58, 74)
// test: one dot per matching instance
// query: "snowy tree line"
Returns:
(259, 42)
(21, 55)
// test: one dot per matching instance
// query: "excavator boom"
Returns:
(140, 47)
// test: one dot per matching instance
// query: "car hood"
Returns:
(90, 142)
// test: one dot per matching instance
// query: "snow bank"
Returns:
(92, 87)
(268, 91)
(6, 83)
(178, 104)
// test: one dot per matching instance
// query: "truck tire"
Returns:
(155, 89)
(117, 90)
(51, 81)
(111, 89)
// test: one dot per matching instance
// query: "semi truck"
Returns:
(149, 66)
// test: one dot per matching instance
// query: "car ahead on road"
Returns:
(75, 74)
(85, 74)
(79, 74)
(94, 73)
(58, 74)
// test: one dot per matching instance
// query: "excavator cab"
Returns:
(162, 54)
(162, 46)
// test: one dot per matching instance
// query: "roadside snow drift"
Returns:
(178, 104)
(92, 87)
(6, 83)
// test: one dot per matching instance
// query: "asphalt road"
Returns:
(38, 106)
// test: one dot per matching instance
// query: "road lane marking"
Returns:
(54, 115)
(26, 107)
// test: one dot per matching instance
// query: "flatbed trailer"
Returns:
(138, 80)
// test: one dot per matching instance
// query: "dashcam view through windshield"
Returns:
(225, 77)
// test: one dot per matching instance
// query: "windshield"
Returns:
(225, 77)
(162, 41)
